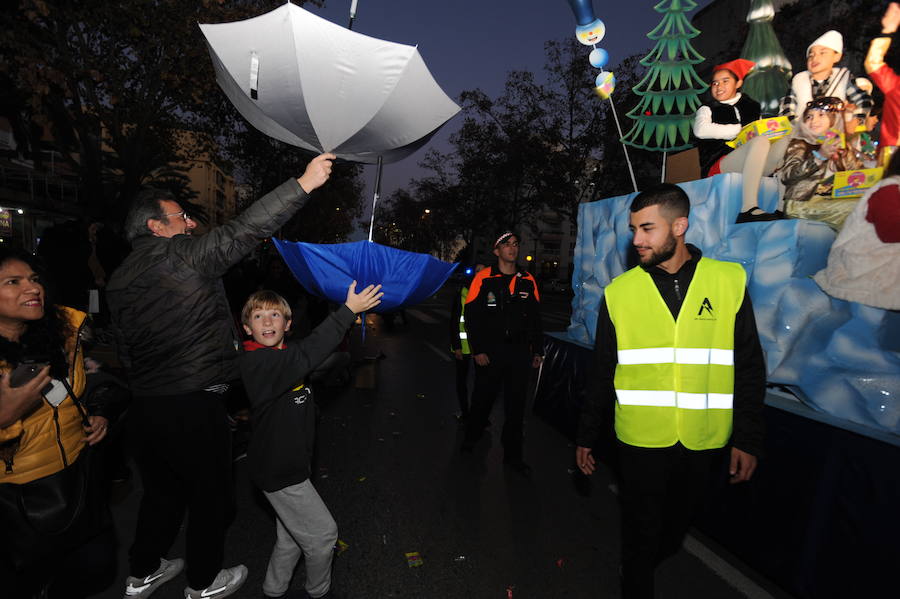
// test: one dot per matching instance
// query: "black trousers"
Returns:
(182, 446)
(662, 489)
(462, 383)
(509, 370)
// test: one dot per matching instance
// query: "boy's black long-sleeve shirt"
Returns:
(749, 365)
(282, 416)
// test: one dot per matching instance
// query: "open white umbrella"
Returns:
(310, 83)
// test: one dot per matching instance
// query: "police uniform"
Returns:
(503, 320)
(679, 356)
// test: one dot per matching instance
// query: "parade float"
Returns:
(822, 505)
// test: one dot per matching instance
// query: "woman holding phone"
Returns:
(64, 547)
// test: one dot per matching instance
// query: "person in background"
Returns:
(678, 354)
(721, 120)
(818, 148)
(885, 77)
(823, 79)
(459, 343)
(503, 321)
(47, 431)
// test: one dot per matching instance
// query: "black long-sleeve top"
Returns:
(283, 415)
(749, 365)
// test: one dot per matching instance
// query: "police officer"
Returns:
(677, 352)
(503, 321)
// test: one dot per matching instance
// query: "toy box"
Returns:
(773, 128)
(852, 184)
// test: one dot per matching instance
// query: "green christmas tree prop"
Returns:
(770, 79)
(671, 88)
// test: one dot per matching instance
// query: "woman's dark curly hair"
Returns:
(44, 339)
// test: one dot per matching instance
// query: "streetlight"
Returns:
(428, 211)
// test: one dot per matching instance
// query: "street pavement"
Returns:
(389, 469)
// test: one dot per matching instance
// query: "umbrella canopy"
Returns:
(327, 270)
(310, 83)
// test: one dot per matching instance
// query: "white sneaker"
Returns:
(144, 587)
(227, 581)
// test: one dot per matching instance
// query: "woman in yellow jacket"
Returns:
(53, 549)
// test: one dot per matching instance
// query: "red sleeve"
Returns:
(884, 213)
(885, 78)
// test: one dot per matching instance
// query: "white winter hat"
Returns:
(830, 39)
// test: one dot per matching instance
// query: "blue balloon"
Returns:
(584, 11)
(599, 57)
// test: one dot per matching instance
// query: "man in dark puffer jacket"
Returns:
(180, 346)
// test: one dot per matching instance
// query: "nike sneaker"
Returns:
(227, 582)
(140, 588)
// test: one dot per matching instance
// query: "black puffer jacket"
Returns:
(168, 304)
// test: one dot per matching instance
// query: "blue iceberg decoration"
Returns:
(839, 357)
(327, 270)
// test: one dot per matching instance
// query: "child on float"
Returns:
(815, 152)
(864, 261)
(283, 419)
(823, 79)
(721, 120)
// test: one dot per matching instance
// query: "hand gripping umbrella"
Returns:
(313, 84)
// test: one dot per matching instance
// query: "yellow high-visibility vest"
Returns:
(675, 378)
(463, 335)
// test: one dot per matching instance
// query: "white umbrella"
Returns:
(310, 83)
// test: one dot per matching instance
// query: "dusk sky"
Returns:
(471, 44)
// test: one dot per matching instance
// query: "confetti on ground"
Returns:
(413, 559)
(509, 592)
(570, 470)
(396, 434)
(420, 396)
(560, 562)
(341, 547)
(361, 479)
(459, 558)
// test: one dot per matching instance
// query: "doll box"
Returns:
(852, 184)
(773, 128)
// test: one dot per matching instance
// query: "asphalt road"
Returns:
(389, 469)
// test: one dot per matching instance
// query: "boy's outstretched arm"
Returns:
(366, 299)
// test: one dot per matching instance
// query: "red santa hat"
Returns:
(740, 67)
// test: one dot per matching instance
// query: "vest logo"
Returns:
(705, 306)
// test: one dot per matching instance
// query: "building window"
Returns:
(220, 179)
(220, 200)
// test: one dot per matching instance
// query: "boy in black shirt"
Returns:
(283, 419)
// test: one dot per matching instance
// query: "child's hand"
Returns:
(366, 299)
(830, 146)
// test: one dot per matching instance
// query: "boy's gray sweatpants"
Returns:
(304, 526)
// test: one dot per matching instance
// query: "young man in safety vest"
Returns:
(503, 320)
(678, 353)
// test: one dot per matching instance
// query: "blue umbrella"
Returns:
(326, 270)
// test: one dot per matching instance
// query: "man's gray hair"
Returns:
(146, 205)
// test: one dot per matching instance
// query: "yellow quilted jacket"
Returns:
(46, 448)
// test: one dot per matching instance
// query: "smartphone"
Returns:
(24, 372)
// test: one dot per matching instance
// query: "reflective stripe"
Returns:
(692, 355)
(723, 357)
(650, 355)
(691, 401)
(720, 401)
(669, 399)
(464, 335)
(462, 319)
(678, 355)
(630, 397)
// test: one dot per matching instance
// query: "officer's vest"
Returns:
(463, 336)
(675, 378)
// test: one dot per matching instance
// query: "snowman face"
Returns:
(591, 33)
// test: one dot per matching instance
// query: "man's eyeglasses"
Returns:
(182, 214)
